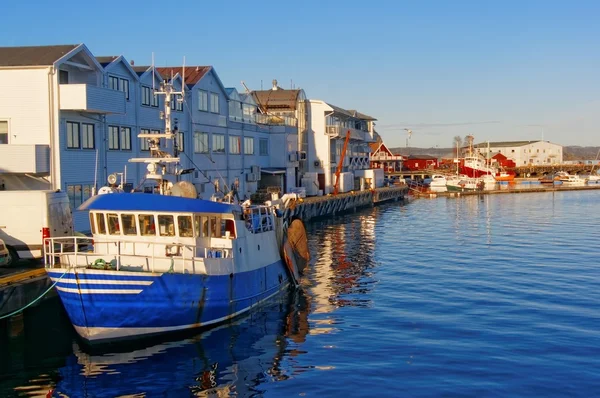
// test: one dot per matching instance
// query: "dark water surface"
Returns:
(478, 296)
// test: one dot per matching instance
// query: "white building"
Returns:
(523, 153)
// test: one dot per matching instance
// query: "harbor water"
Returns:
(478, 296)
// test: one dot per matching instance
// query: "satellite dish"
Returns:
(112, 179)
(184, 189)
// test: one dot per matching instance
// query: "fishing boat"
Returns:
(166, 261)
(504, 176)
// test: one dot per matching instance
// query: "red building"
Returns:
(383, 158)
(420, 162)
(503, 161)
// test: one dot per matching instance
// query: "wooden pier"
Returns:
(507, 190)
(331, 205)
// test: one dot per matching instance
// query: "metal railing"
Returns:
(73, 245)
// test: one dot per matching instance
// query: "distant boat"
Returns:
(503, 176)
(438, 183)
(573, 180)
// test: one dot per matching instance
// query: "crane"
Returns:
(340, 165)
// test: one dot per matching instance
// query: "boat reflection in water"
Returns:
(235, 358)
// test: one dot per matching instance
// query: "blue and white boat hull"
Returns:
(113, 305)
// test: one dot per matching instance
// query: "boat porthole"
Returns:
(258, 247)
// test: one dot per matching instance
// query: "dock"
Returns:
(331, 205)
(20, 286)
(506, 190)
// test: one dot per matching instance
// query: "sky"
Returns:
(500, 71)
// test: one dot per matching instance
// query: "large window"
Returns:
(263, 147)
(72, 135)
(78, 193)
(235, 145)
(202, 100)
(214, 103)
(87, 136)
(200, 142)
(218, 143)
(3, 131)
(126, 138)
(113, 137)
(175, 104)
(113, 83)
(147, 225)
(248, 145)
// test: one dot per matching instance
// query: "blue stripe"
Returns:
(155, 203)
(174, 299)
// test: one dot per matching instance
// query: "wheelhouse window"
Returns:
(101, 223)
(147, 225)
(92, 224)
(128, 222)
(185, 226)
(166, 225)
(113, 224)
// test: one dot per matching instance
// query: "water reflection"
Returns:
(344, 253)
(235, 358)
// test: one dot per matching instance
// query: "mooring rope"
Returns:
(36, 300)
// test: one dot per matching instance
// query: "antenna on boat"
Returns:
(159, 160)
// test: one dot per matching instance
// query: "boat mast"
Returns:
(159, 160)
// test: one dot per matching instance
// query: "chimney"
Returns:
(275, 84)
(132, 62)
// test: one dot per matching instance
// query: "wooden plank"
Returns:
(22, 276)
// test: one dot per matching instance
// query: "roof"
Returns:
(140, 70)
(361, 116)
(34, 55)
(193, 74)
(350, 113)
(154, 202)
(504, 144)
(105, 60)
(277, 100)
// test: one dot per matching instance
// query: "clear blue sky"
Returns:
(503, 70)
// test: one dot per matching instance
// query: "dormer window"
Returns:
(119, 84)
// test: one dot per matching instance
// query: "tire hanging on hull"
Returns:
(294, 250)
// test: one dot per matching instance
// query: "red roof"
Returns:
(193, 74)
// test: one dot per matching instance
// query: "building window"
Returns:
(144, 145)
(214, 103)
(202, 101)
(180, 141)
(79, 193)
(113, 83)
(218, 143)
(124, 87)
(72, 135)
(87, 136)
(155, 100)
(3, 131)
(235, 145)
(175, 104)
(63, 77)
(200, 142)
(248, 145)
(146, 95)
(113, 137)
(126, 138)
(263, 147)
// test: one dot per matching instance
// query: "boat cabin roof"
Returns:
(155, 203)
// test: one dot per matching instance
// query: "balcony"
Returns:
(25, 159)
(340, 132)
(92, 99)
(276, 120)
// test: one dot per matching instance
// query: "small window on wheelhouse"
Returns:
(185, 226)
(198, 225)
(147, 226)
(113, 224)
(128, 222)
(92, 224)
(101, 223)
(166, 225)
(213, 227)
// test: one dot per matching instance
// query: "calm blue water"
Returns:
(489, 296)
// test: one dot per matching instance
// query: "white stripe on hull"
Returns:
(98, 291)
(102, 282)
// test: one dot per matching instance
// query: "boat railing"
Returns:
(82, 246)
(259, 219)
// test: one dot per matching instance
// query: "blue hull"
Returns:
(115, 305)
